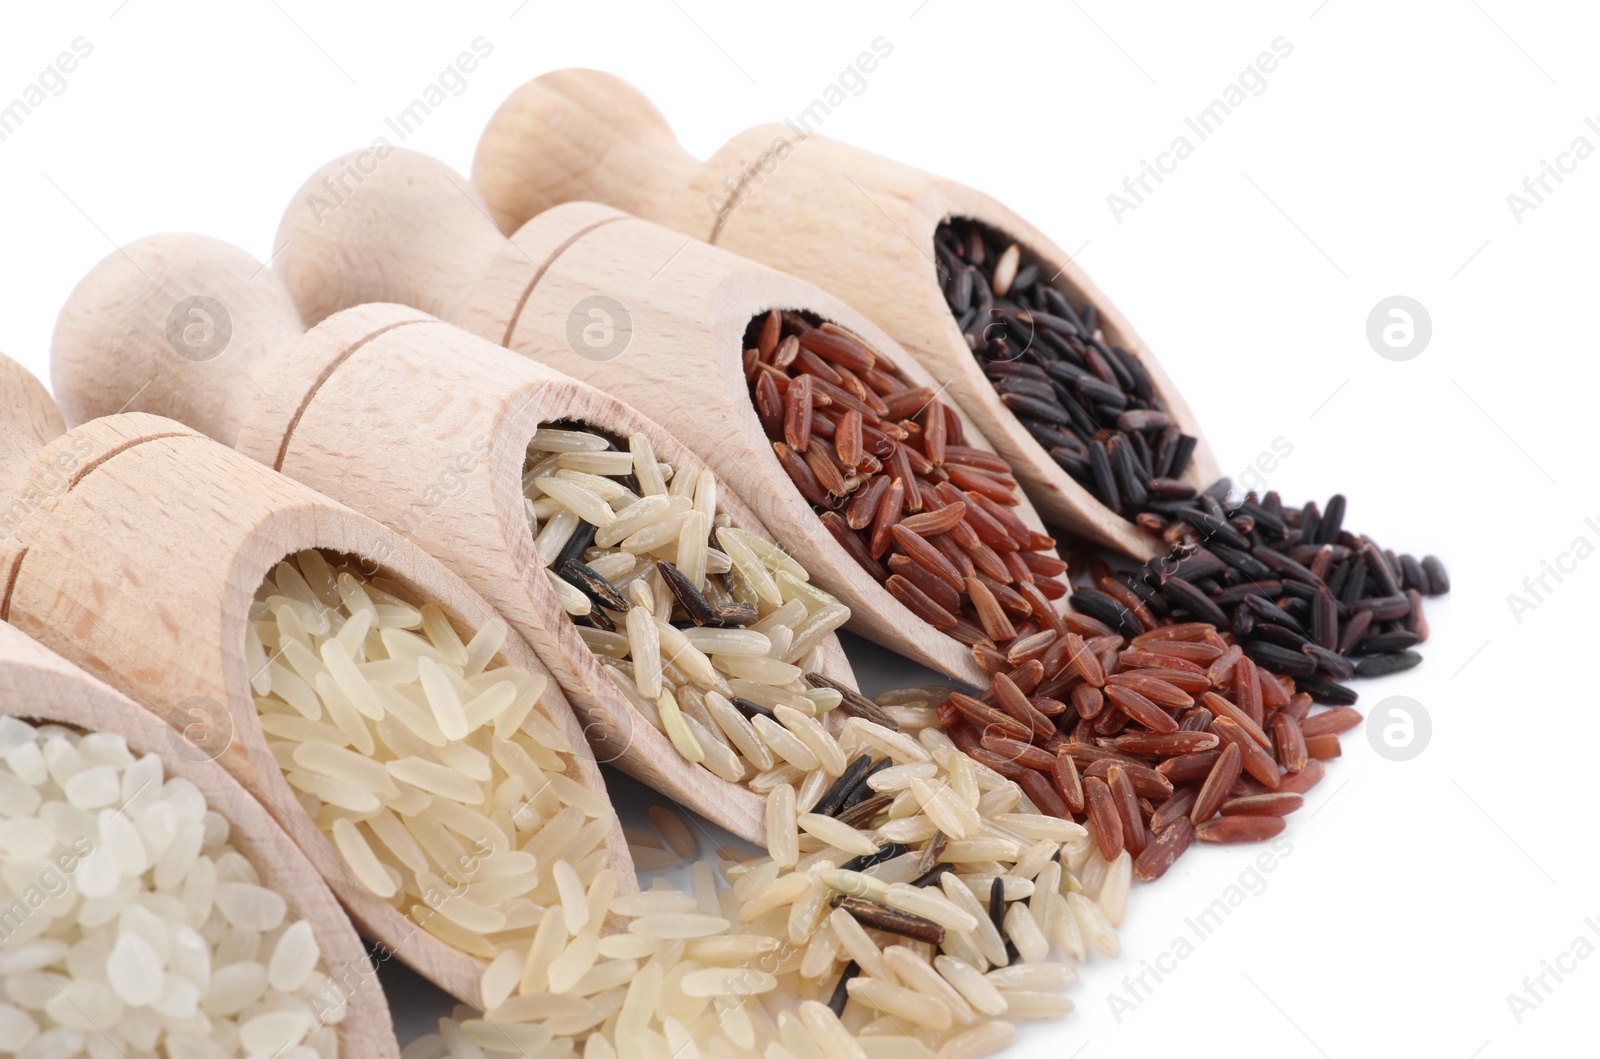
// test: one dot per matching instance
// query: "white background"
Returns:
(1376, 162)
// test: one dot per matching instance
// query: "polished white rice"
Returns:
(130, 924)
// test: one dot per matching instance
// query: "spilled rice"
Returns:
(917, 905)
(1153, 742)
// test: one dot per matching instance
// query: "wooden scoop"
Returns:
(38, 685)
(405, 418)
(32, 421)
(857, 225)
(135, 549)
(672, 314)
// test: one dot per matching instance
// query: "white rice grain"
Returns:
(782, 833)
(839, 835)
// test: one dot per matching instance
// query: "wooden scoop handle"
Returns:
(688, 304)
(342, 242)
(581, 134)
(859, 226)
(145, 565)
(243, 376)
(219, 327)
(141, 568)
(425, 428)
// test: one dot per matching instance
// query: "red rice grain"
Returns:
(886, 467)
(1228, 830)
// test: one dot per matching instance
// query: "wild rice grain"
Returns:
(687, 606)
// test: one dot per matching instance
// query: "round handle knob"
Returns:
(580, 134)
(182, 326)
(384, 225)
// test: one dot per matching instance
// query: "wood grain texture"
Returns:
(431, 260)
(30, 421)
(178, 373)
(38, 685)
(857, 225)
(599, 138)
(424, 428)
(141, 569)
(688, 305)
(677, 309)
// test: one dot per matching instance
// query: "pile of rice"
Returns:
(913, 900)
(913, 908)
(129, 926)
(440, 775)
(713, 633)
